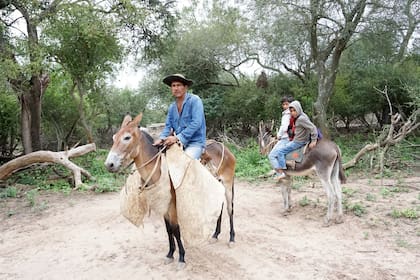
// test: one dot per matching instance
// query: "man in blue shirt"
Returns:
(185, 121)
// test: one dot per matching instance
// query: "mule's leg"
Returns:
(229, 200)
(335, 179)
(170, 255)
(177, 234)
(219, 221)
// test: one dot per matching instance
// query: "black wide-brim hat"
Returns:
(177, 78)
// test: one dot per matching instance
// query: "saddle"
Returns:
(205, 157)
(296, 156)
(206, 161)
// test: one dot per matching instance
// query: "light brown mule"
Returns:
(131, 143)
(221, 162)
(324, 159)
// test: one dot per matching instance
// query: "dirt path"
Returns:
(82, 236)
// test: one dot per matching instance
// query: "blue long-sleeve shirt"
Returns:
(189, 125)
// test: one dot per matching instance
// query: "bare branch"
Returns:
(62, 158)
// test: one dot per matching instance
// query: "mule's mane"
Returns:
(149, 139)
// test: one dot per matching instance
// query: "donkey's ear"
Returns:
(126, 120)
(137, 119)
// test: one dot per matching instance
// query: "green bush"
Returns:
(8, 192)
(358, 209)
(409, 213)
(249, 163)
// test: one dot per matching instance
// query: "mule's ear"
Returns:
(137, 119)
(126, 120)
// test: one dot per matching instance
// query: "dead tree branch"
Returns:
(62, 158)
(397, 131)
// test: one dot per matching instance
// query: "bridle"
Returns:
(157, 156)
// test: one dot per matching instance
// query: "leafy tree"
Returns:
(309, 38)
(26, 60)
(9, 124)
(86, 45)
(368, 64)
(59, 115)
(208, 51)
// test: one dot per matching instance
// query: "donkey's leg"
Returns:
(170, 255)
(217, 231)
(286, 189)
(325, 177)
(338, 192)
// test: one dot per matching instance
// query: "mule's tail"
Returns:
(341, 173)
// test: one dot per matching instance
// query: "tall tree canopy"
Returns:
(309, 38)
(29, 38)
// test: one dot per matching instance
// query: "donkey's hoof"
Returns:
(213, 240)
(231, 244)
(286, 211)
(326, 223)
(168, 260)
(339, 220)
(180, 266)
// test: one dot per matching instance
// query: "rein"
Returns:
(158, 155)
(150, 160)
(143, 186)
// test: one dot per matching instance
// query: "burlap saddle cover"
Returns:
(199, 195)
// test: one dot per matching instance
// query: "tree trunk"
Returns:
(30, 92)
(30, 104)
(321, 103)
(320, 109)
(36, 93)
(25, 120)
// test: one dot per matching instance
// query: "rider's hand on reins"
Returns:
(170, 140)
(158, 142)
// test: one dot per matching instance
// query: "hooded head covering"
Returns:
(296, 105)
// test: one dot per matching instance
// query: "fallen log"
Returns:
(62, 158)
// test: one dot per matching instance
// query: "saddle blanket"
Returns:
(296, 155)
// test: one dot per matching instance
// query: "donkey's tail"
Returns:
(341, 173)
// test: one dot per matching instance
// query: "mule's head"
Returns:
(125, 147)
(266, 140)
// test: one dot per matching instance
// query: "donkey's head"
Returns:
(266, 140)
(125, 147)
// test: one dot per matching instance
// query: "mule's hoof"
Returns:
(339, 220)
(231, 244)
(213, 240)
(180, 266)
(168, 260)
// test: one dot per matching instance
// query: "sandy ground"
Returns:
(82, 236)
